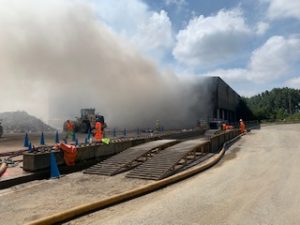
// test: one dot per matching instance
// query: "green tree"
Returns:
(279, 103)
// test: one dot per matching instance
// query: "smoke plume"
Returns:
(57, 57)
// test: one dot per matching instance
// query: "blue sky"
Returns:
(254, 45)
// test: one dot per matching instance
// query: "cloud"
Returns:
(234, 75)
(154, 33)
(122, 16)
(212, 40)
(278, 9)
(149, 31)
(293, 83)
(274, 61)
(261, 28)
(178, 3)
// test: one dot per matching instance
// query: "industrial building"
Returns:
(222, 102)
(225, 100)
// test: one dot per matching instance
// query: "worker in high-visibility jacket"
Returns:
(224, 126)
(70, 129)
(98, 131)
(242, 126)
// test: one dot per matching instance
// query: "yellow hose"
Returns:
(3, 168)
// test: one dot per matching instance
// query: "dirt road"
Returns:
(257, 182)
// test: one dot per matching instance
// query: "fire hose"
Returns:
(3, 168)
(8, 162)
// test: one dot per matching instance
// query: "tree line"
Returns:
(277, 104)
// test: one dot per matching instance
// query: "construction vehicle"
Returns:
(87, 120)
(1, 129)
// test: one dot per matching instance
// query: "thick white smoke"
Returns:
(57, 57)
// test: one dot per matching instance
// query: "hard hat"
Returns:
(241, 120)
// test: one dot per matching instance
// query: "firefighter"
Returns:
(98, 131)
(242, 126)
(70, 129)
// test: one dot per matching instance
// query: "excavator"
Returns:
(87, 120)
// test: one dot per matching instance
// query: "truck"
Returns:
(87, 120)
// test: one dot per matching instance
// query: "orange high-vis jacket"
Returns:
(70, 153)
(242, 127)
(98, 134)
(70, 126)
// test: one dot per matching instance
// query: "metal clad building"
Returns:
(225, 100)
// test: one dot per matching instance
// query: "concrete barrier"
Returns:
(33, 162)
(217, 141)
(39, 161)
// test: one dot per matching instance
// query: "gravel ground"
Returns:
(257, 182)
(30, 201)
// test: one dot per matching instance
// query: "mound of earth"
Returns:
(21, 121)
